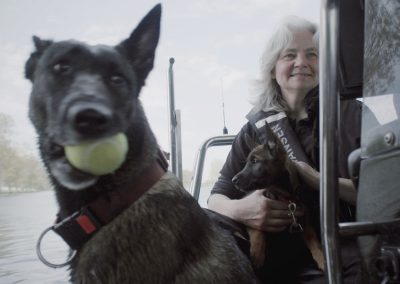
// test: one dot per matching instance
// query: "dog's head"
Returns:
(264, 165)
(82, 92)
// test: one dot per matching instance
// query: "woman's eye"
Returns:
(62, 68)
(312, 55)
(117, 80)
(289, 56)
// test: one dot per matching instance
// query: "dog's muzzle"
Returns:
(80, 120)
(239, 183)
(88, 118)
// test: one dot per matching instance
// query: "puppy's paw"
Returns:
(315, 247)
(257, 247)
(257, 257)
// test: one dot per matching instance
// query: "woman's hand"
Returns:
(261, 213)
(255, 211)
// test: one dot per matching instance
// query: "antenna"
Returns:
(175, 126)
(224, 130)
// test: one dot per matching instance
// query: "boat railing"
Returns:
(222, 140)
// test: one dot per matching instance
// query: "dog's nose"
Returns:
(90, 119)
(236, 182)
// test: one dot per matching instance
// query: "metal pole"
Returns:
(172, 118)
(225, 129)
(178, 139)
(329, 101)
(352, 229)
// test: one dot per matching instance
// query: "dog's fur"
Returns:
(82, 92)
(268, 167)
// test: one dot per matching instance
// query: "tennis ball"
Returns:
(99, 157)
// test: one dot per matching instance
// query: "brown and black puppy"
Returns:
(137, 224)
(269, 167)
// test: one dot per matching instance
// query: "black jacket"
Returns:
(289, 256)
(307, 132)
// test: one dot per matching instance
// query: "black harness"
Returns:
(280, 125)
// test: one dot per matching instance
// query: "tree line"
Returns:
(20, 170)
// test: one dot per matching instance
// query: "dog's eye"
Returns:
(117, 80)
(254, 160)
(62, 68)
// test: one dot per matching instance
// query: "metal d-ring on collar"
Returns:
(79, 227)
(43, 259)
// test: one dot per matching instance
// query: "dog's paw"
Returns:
(257, 258)
(257, 247)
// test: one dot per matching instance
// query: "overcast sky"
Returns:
(216, 44)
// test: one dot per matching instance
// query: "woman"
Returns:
(288, 102)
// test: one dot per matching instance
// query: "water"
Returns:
(23, 217)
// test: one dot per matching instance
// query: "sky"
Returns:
(216, 44)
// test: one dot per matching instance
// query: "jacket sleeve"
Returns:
(234, 163)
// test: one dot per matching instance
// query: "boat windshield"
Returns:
(381, 70)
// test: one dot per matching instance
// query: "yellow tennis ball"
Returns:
(99, 157)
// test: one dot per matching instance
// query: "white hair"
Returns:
(267, 91)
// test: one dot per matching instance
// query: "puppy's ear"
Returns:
(270, 134)
(30, 65)
(141, 45)
(270, 146)
(271, 140)
(250, 142)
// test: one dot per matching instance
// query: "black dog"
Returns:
(137, 225)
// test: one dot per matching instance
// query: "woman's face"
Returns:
(296, 70)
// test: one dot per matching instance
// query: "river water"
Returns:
(23, 216)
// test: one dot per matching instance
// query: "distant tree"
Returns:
(187, 178)
(19, 170)
(6, 124)
(6, 155)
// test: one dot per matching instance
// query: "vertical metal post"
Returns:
(178, 142)
(329, 101)
(225, 129)
(176, 158)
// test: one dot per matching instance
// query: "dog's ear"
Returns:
(41, 44)
(141, 45)
(30, 65)
(250, 142)
(271, 140)
(270, 146)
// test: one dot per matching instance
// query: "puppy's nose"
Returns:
(90, 119)
(236, 182)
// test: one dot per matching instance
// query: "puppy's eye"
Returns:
(117, 80)
(254, 160)
(62, 68)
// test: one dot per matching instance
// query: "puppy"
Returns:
(268, 166)
(137, 224)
